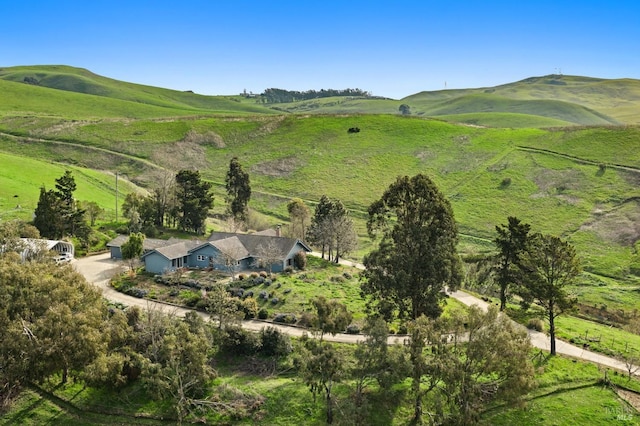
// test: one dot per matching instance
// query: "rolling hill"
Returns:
(574, 181)
(545, 101)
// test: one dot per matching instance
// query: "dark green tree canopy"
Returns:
(238, 188)
(194, 200)
(417, 257)
(57, 213)
(511, 241)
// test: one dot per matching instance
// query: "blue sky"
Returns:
(391, 48)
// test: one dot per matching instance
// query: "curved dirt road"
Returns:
(99, 270)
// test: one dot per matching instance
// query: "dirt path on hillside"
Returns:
(99, 270)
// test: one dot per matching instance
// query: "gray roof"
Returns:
(147, 245)
(231, 247)
(175, 250)
(253, 241)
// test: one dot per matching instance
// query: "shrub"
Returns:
(337, 279)
(287, 291)
(306, 319)
(189, 297)
(258, 280)
(353, 329)
(288, 270)
(241, 277)
(300, 260)
(237, 341)
(535, 324)
(263, 295)
(505, 182)
(347, 275)
(402, 329)
(285, 318)
(254, 275)
(263, 274)
(249, 307)
(275, 301)
(267, 282)
(263, 314)
(274, 342)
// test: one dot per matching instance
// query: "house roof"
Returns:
(252, 242)
(238, 246)
(147, 244)
(231, 247)
(175, 250)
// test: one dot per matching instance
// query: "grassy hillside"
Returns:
(147, 101)
(599, 99)
(577, 182)
(543, 101)
(22, 177)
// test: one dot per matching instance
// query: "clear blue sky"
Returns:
(391, 48)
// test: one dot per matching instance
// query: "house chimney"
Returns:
(278, 231)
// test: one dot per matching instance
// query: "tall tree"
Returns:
(72, 215)
(58, 214)
(299, 217)
(46, 217)
(345, 239)
(417, 257)
(321, 366)
(332, 229)
(320, 232)
(194, 200)
(511, 243)
(547, 268)
(238, 190)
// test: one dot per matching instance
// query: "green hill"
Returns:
(541, 101)
(581, 100)
(85, 82)
(569, 180)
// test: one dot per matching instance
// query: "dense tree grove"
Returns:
(281, 95)
(417, 257)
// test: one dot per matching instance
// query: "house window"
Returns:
(201, 258)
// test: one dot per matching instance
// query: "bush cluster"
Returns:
(285, 318)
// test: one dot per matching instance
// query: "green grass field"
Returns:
(22, 177)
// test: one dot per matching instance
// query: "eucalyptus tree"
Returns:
(417, 257)
(238, 186)
(548, 267)
(511, 242)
